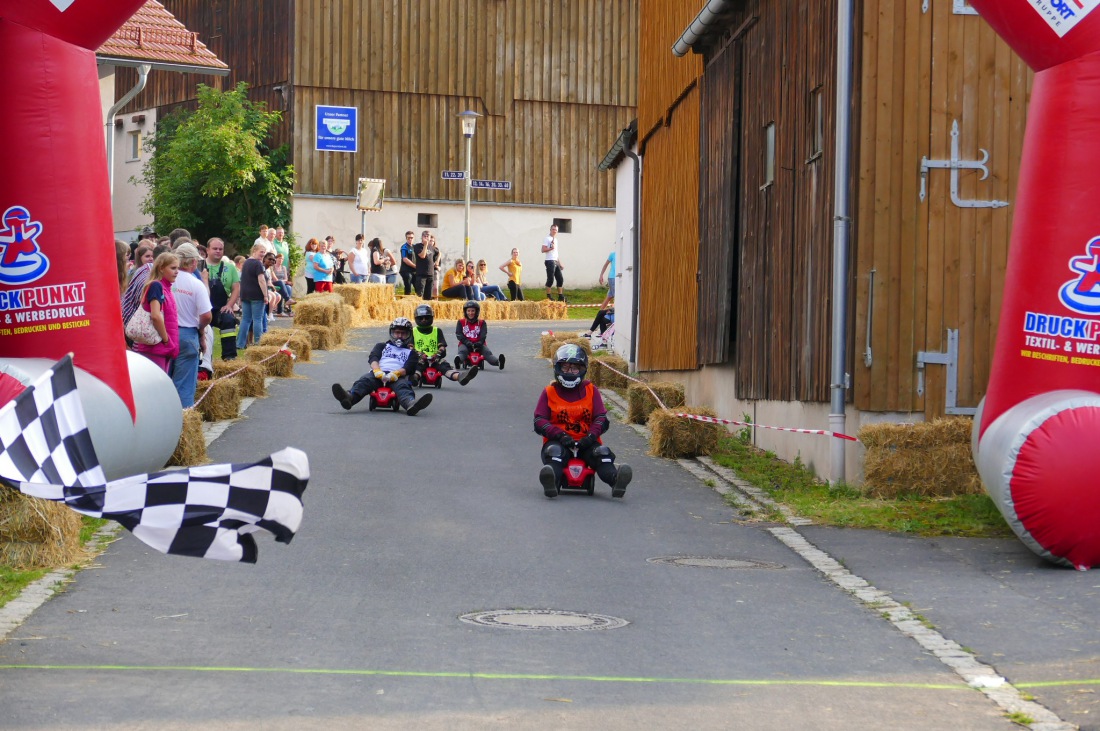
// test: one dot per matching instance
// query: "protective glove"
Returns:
(566, 441)
(391, 377)
(379, 374)
(586, 442)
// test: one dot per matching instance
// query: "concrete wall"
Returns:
(624, 257)
(494, 231)
(126, 201)
(714, 386)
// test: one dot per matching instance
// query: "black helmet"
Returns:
(424, 316)
(401, 323)
(570, 354)
(468, 305)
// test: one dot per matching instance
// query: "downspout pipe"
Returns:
(143, 76)
(698, 27)
(636, 244)
(841, 234)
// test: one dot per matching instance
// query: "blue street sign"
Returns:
(337, 128)
(453, 174)
(491, 184)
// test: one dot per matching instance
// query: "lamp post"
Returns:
(469, 123)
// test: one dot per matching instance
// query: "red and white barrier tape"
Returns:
(715, 420)
(285, 350)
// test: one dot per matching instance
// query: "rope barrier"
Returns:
(285, 350)
(715, 420)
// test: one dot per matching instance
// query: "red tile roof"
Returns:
(154, 35)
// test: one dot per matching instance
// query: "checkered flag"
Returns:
(209, 511)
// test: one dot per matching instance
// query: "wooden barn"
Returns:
(552, 82)
(738, 139)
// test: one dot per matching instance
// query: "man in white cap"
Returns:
(194, 312)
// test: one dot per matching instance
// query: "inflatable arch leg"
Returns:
(1035, 433)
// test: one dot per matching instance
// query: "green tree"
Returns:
(211, 172)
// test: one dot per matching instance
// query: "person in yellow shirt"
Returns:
(458, 284)
(514, 269)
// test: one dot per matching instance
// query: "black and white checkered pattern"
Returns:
(209, 511)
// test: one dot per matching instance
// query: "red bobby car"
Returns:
(473, 360)
(432, 376)
(577, 475)
(382, 397)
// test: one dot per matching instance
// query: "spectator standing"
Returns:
(282, 246)
(610, 281)
(377, 262)
(359, 261)
(514, 269)
(193, 312)
(323, 268)
(408, 262)
(224, 282)
(390, 261)
(553, 264)
(425, 267)
(262, 238)
(311, 249)
(253, 297)
(157, 300)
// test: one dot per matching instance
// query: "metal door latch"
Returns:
(955, 165)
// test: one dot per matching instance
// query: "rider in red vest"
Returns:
(471, 333)
(570, 414)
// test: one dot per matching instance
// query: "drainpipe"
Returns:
(636, 245)
(706, 17)
(841, 226)
(143, 76)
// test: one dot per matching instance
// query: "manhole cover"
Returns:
(716, 562)
(554, 619)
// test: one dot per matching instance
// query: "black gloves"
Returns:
(586, 442)
(566, 441)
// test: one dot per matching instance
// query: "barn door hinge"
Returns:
(955, 165)
(951, 360)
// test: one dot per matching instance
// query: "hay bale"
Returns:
(605, 377)
(674, 436)
(218, 400)
(191, 448)
(271, 359)
(318, 309)
(354, 295)
(320, 337)
(549, 344)
(300, 342)
(36, 534)
(640, 401)
(250, 377)
(377, 293)
(929, 459)
(549, 310)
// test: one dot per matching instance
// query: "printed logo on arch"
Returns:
(1063, 15)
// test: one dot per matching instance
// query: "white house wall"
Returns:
(127, 197)
(624, 248)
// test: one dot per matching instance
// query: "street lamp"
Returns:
(469, 123)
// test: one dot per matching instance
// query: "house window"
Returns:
(769, 155)
(427, 220)
(565, 225)
(817, 114)
(135, 145)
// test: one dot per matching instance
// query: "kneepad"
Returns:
(602, 453)
(553, 450)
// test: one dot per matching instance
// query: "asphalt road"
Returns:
(412, 524)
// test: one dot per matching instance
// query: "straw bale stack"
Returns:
(675, 437)
(604, 377)
(549, 344)
(354, 295)
(191, 448)
(931, 459)
(37, 534)
(250, 377)
(377, 293)
(320, 337)
(299, 341)
(640, 402)
(319, 309)
(269, 357)
(549, 310)
(223, 401)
